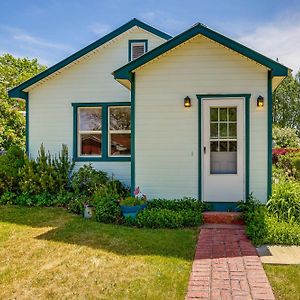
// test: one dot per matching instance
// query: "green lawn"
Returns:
(285, 281)
(48, 253)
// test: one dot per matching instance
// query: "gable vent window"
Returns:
(137, 48)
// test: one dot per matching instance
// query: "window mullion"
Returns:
(104, 131)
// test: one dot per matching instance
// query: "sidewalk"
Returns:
(226, 266)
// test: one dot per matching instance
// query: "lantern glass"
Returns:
(187, 102)
(260, 101)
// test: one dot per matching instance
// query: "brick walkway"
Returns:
(226, 266)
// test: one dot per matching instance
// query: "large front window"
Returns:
(102, 131)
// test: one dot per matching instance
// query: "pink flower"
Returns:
(136, 191)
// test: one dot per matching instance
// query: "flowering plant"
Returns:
(138, 199)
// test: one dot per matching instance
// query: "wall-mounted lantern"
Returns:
(187, 101)
(260, 101)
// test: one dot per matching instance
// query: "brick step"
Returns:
(220, 217)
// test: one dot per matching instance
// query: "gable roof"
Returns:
(18, 91)
(125, 72)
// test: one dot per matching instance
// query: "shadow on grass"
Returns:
(121, 240)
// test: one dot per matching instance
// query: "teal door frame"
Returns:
(246, 97)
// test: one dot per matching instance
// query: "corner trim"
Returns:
(132, 185)
(247, 136)
(270, 121)
(27, 123)
(104, 106)
(136, 41)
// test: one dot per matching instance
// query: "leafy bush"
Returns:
(10, 164)
(290, 164)
(177, 205)
(46, 174)
(166, 218)
(280, 232)
(285, 201)
(86, 180)
(285, 137)
(106, 201)
(264, 227)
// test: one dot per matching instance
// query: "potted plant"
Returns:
(130, 206)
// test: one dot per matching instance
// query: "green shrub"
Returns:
(166, 218)
(253, 213)
(177, 204)
(265, 227)
(10, 165)
(281, 233)
(86, 180)
(76, 204)
(106, 202)
(290, 165)
(46, 174)
(285, 201)
(285, 137)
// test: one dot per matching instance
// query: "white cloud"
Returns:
(100, 29)
(22, 44)
(30, 40)
(164, 21)
(279, 39)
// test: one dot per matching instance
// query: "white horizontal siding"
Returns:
(166, 136)
(90, 80)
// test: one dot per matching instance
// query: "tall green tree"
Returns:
(13, 71)
(286, 103)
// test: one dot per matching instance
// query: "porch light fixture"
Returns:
(260, 101)
(187, 101)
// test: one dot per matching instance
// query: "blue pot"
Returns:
(131, 211)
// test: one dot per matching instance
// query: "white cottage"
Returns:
(189, 115)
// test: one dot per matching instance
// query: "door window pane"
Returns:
(214, 130)
(223, 140)
(213, 114)
(223, 114)
(232, 130)
(223, 130)
(232, 113)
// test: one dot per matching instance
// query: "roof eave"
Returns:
(277, 69)
(134, 22)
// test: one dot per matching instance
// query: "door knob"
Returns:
(204, 149)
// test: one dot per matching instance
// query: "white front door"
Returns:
(223, 149)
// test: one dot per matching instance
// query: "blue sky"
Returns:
(53, 29)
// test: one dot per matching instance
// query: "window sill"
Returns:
(91, 159)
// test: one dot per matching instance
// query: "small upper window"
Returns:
(137, 48)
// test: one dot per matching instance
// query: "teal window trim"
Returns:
(132, 185)
(247, 136)
(130, 42)
(104, 156)
(270, 121)
(17, 92)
